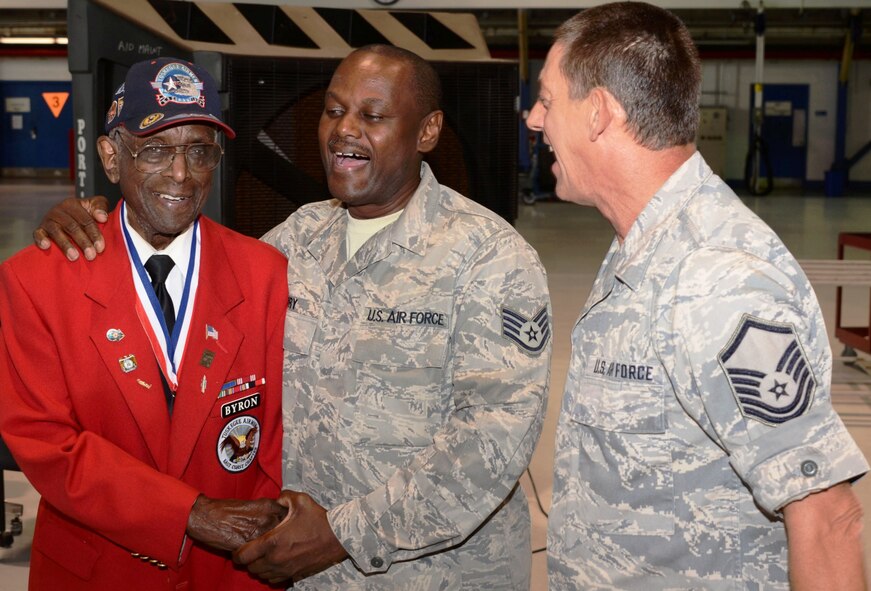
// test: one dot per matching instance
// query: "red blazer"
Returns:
(116, 475)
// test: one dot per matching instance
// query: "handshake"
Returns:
(277, 540)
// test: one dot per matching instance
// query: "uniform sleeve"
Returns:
(81, 474)
(499, 370)
(749, 357)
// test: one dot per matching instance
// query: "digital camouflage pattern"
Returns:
(697, 404)
(409, 413)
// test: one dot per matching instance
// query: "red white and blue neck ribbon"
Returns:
(168, 348)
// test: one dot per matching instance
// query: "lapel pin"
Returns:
(144, 384)
(211, 332)
(203, 385)
(207, 358)
(114, 335)
(128, 363)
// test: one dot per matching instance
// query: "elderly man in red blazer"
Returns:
(141, 393)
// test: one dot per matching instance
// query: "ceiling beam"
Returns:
(576, 4)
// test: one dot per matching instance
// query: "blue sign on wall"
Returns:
(31, 136)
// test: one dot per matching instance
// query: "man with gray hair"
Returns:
(696, 428)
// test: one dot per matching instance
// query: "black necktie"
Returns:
(158, 267)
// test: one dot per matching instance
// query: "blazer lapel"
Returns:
(127, 353)
(212, 345)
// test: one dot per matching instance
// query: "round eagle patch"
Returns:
(238, 443)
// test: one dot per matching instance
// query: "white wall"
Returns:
(727, 83)
(50, 69)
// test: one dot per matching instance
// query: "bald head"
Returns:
(425, 82)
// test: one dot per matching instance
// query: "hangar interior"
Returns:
(798, 157)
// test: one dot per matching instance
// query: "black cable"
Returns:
(538, 502)
(535, 492)
(758, 145)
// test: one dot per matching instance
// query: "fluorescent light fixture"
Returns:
(34, 40)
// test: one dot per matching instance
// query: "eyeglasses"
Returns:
(157, 158)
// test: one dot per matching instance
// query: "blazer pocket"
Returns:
(65, 545)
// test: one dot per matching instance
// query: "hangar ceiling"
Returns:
(797, 30)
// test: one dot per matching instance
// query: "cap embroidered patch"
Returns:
(768, 371)
(530, 334)
(176, 83)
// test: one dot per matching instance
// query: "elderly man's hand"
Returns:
(226, 524)
(73, 223)
(301, 545)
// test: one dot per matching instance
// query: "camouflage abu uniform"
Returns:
(699, 384)
(415, 382)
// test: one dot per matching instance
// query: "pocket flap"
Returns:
(299, 332)
(401, 346)
(625, 407)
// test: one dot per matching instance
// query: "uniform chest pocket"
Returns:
(399, 384)
(624, 457)
(627, 407)
(411, 347)
(299, 334)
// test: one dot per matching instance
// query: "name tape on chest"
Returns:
(294, 302)
(241, 405)
(407, 317)
(622, 370)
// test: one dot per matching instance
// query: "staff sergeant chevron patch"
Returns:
(768, 371)
(530, 334)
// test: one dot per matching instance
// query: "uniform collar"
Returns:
(633, 257)
(411, 231)
(326, 242)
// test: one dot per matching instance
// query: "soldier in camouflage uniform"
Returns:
(416, 368)
(696, 429)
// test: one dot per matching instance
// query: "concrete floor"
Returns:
(571, 241)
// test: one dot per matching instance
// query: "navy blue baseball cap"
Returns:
(163, 92)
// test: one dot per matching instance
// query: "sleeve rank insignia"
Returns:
(768, 371)
(530, 334)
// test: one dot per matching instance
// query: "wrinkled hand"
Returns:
(226, 524)
(301, 545)
(72, 223)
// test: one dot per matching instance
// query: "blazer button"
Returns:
(161, 566)
(134, 554)
(144, 558)
(377, 562)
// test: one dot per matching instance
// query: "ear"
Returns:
(605, 111)
(430, 130)
(108, 152)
